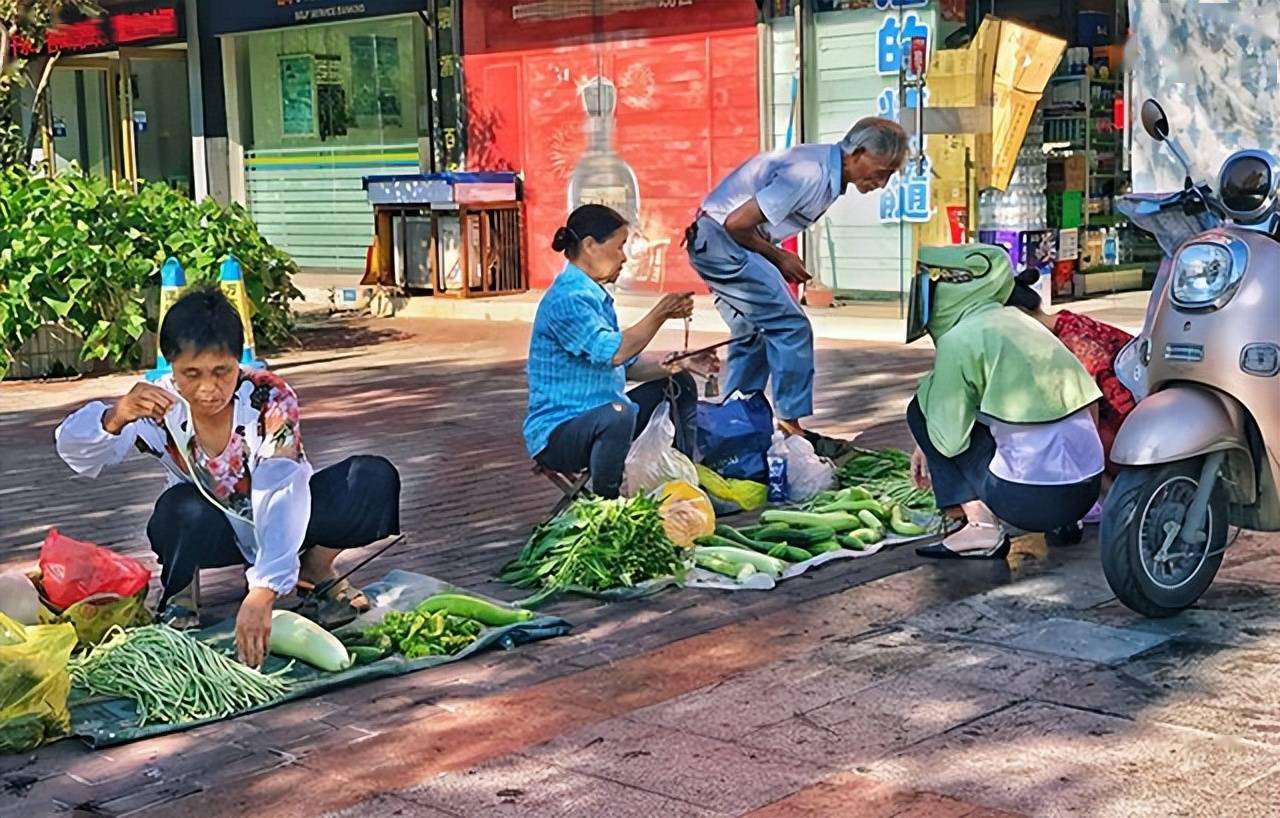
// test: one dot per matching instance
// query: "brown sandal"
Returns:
(341, 592)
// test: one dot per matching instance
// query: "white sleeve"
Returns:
(281, 511)
(88, 448)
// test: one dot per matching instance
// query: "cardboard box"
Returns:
(953, 83)
(1025, 60)
(1068, 245)
(1090, 249)
(1066, 209)
(947, 154)
(996, 82)
(1108, 281)
(1110, 55)
(1076, 172)
(1068, 173)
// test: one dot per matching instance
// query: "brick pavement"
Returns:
(443, 400)
(873, 687)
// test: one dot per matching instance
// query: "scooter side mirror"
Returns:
(1154, 121)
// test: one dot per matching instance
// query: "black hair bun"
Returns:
(562, 240)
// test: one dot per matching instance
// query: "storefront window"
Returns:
(320, 108)
(161, 118)
(328, 86)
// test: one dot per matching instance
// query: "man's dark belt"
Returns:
(691, 232)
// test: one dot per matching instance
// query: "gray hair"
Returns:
(882, 137)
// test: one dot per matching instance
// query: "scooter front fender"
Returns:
(1179, 423)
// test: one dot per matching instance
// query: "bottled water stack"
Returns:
(1023, 205)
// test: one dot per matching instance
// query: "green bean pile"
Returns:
(171, 678)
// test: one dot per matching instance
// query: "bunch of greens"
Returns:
(886, 474)
(596, 545)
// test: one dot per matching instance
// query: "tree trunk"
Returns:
(39, 105)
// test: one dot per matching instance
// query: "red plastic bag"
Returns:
(73, 570)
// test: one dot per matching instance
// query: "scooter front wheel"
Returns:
(1148, 566)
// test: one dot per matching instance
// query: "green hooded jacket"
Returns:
(992, 360)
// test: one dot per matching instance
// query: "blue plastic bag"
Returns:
(733, 436)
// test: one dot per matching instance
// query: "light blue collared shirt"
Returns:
(571, 369)
(793, 188)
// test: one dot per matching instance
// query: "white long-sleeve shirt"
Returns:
(260, 481)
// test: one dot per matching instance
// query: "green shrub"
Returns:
(77, 251)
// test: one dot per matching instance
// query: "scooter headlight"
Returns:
(1206, 273)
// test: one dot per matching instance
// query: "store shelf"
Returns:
(1106, 220)
(1072, 116)
(1078, 77)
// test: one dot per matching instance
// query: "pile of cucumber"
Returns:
(851, 519)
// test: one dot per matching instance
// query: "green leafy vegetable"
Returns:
(597, 545)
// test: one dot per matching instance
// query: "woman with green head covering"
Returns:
(1003, 423)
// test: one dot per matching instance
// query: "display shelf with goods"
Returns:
(1084, 122)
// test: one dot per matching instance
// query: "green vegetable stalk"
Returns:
(597, 545)
(171, 678)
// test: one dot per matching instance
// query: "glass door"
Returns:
(158, 116)
(82, 127)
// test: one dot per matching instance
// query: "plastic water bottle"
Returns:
(1110, 247)
(777, 461)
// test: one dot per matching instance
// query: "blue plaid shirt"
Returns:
(571, 369)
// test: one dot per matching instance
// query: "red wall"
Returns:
(687, 113)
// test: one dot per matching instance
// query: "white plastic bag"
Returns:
(19, 599)
(654, 459)
(807, 474)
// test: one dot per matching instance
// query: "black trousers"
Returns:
(353, 503)
(600, 439)
(967, 476)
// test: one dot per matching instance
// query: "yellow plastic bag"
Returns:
(686, 512)
(746, 494)
(93, 617)
(34, 684)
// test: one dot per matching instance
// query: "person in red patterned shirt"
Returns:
(1095, 345)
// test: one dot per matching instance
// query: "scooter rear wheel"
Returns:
(1142, 509)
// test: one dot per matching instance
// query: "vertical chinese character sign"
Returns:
(449, 129)
(907, 196)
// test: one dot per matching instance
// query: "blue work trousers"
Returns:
(752, 296)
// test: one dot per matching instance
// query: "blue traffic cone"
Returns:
(172, 281)
(231, 280)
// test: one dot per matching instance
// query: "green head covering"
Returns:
(991, 359)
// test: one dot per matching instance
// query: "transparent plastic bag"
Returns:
(654, 459)
(34, 684)
(807, 474)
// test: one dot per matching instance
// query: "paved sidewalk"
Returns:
(874, 323)
(886, 686)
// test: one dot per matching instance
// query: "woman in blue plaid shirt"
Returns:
(581, 415)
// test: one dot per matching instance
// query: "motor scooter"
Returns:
(1200, 453)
